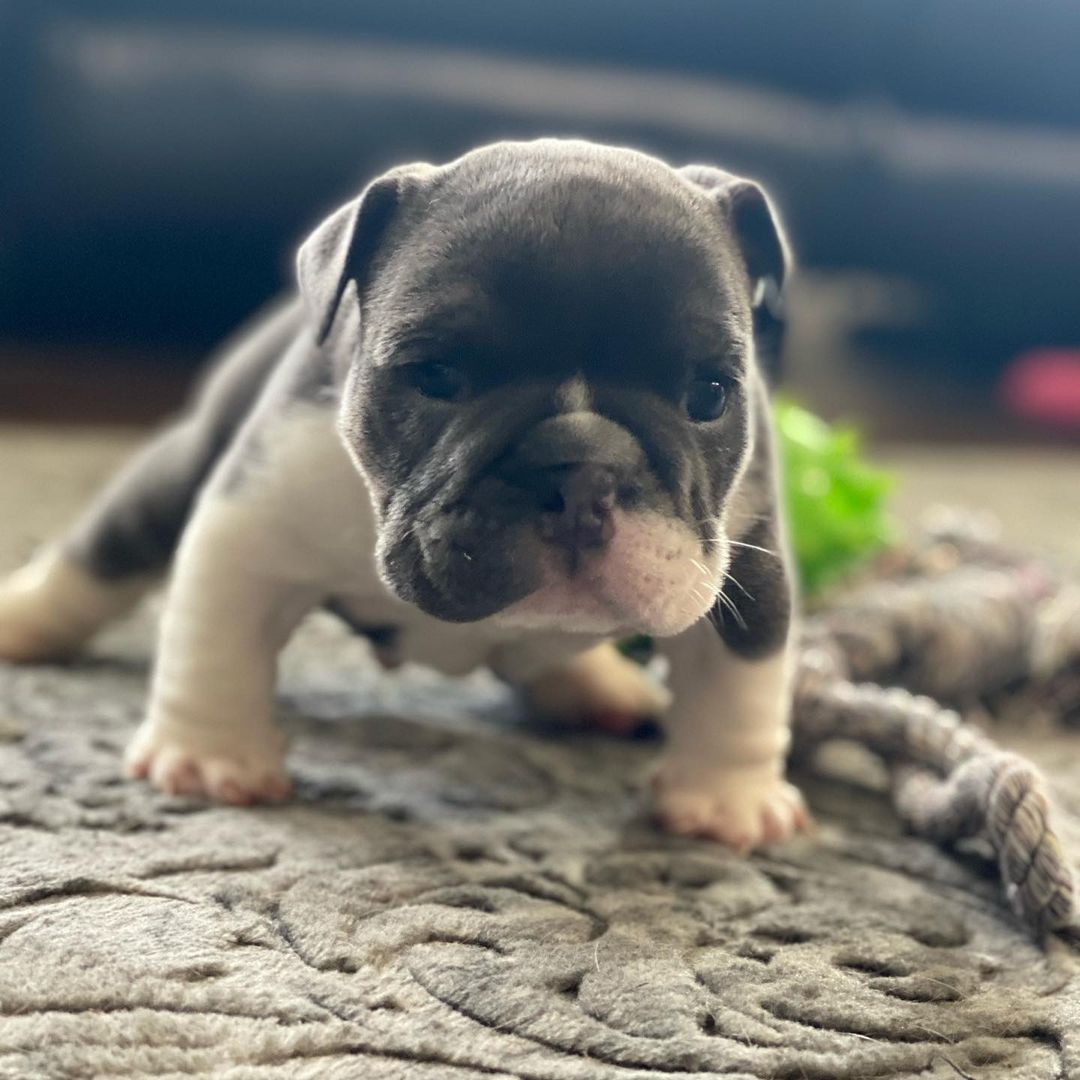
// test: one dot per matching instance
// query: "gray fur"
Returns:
(134, 526)
(755, 617)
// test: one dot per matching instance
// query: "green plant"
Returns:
(835, 500)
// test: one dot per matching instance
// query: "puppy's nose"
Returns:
(576, 502)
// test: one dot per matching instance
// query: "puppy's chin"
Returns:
(653, 577)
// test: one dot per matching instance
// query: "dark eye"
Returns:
(707, 397)
(437, 380)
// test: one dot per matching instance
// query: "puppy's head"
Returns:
(547, 363)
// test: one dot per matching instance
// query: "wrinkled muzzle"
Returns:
(567, 529)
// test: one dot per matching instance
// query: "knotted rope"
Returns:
(961, 631)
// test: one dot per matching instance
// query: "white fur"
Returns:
(722, 774)
(574, 395)
(253, 561)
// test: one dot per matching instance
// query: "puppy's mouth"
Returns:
(619, 571)
(633, 571)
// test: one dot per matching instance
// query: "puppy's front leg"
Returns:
(722, 773)
(209, 728)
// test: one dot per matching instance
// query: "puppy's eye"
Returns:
(437, 380)
(707, 397)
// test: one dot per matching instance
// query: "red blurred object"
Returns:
(1044, 385)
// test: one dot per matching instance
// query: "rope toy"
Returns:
(964, 619)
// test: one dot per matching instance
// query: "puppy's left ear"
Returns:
(754, 223)
(343, 247)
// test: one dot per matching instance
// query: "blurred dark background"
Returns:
(158, 163)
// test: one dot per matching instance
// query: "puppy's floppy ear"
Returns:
(764, 249)
(754, 223)
(341, 249)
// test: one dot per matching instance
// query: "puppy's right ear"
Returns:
(341, 249)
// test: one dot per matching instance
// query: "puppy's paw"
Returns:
(601, 688)
(742, 808)
(51, 606)
(241, 769)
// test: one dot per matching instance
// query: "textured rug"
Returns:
(455, 894)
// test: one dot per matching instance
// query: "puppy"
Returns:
(514, 413)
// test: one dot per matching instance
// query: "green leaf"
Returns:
(835, 500)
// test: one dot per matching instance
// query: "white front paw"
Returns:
(237, 767)
(743, 808)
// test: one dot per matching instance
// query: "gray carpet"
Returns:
(456, 895)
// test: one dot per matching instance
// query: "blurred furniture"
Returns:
(158, 161)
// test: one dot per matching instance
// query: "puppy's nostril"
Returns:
(579, 514)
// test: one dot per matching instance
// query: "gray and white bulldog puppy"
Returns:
(514, 414)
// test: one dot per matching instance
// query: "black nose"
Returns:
(575, 503)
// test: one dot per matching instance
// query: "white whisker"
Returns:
(697, 594)
(751, 519)
(739, 585)
(726, 601)
(754, 547)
